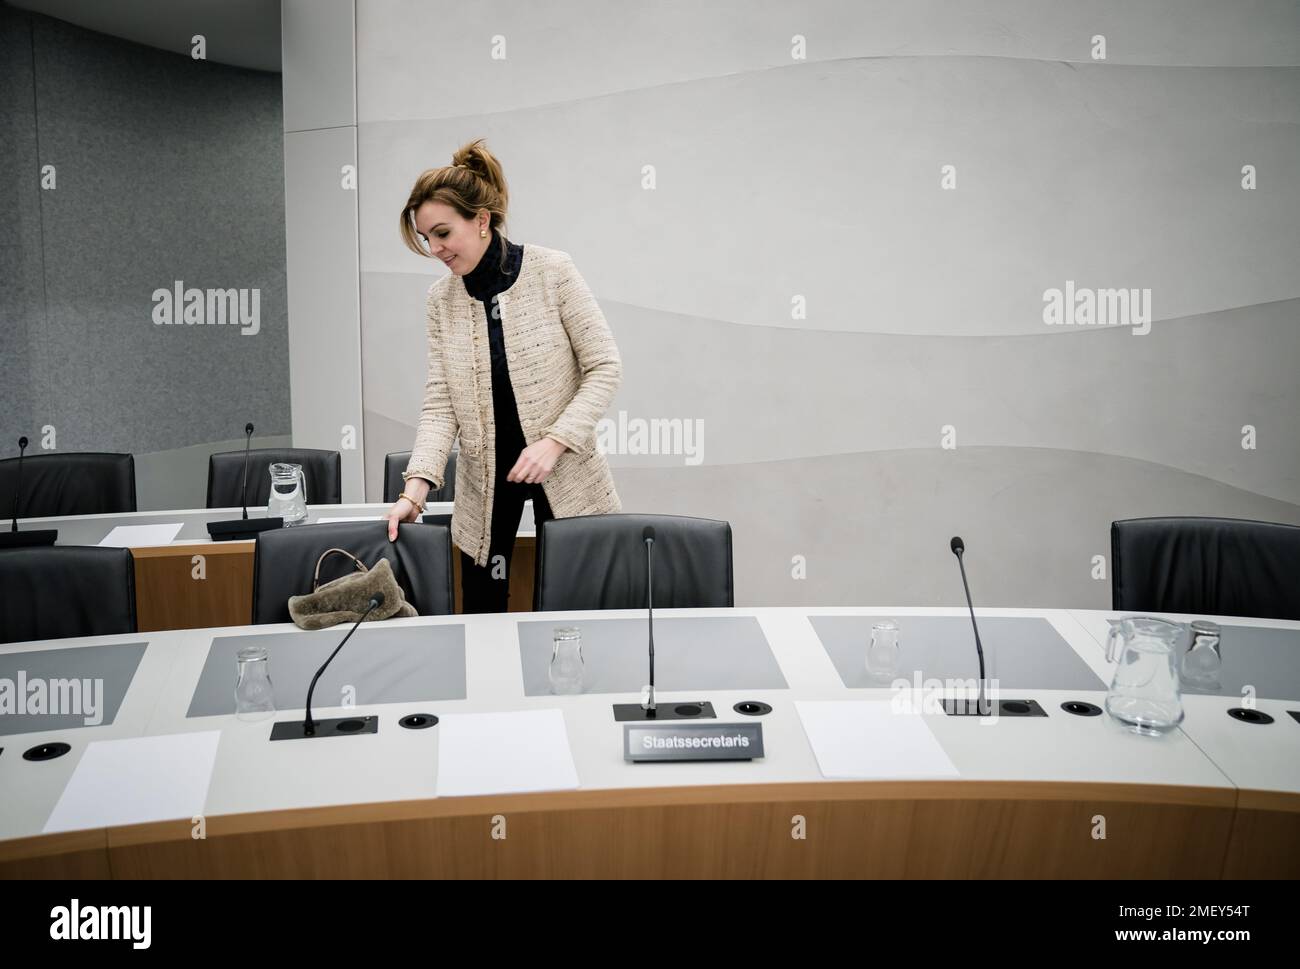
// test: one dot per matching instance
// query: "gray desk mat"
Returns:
(382, 664)
(1022, 653)
(114, 665)
(691, 654)
(1266, 659)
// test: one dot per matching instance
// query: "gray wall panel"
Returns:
(842, 204)
(874, 528)
(820, 178)
(325, 341)
(415, 59)
(321, 229)
(22, 303)
(318, 64)
(168, 169)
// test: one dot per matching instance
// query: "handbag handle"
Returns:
(315, 579)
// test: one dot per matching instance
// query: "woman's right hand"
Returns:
(403, 509)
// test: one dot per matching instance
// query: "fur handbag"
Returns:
(346, 598)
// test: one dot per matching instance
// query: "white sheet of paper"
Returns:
(867, 739)
(502, 753)
(357, 518)
(136, 780)
(128, 536)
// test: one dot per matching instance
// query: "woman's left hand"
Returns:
(536, 461)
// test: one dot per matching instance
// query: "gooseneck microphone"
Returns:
(243, 491)
(308, 726)
(18, 486)
(958, 547)
(343, 725)
(14, 538)
(647, 710)
(243, 528)
(648, 537)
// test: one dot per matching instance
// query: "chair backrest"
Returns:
(72, 483)
(397, 461)
(58, 591)
(599, 562)
(321, 470)
(1206, 566)
(285, 561)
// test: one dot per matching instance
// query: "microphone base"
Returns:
(673, 710)
(990, 708)
(336, 727)
(242, 529)
(32, 539)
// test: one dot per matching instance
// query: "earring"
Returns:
(482, 233)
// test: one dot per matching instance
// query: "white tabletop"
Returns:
(1258, 757)
(92, 529)
(253, 774)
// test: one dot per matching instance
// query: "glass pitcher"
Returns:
(1144, 695)
(288, 494)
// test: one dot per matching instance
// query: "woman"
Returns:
(521, 365)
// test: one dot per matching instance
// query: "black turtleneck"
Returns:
(485, 282)
(490, 276)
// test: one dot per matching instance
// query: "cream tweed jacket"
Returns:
(564, 368)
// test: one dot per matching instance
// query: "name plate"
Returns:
(685, 740)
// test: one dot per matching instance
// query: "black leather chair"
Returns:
(72, 483)
(322, 471)
(599, 562)
(1206, 567)
(395, 463)
(66, 590)
(285, 560)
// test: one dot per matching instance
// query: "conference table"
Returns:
(168, 594)
(850, 784)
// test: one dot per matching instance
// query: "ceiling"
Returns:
(241, 33)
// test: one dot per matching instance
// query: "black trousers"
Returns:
(486, 588)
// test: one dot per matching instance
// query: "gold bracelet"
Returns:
(417, 504)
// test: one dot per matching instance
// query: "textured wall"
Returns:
(166, 169)
(803, 288)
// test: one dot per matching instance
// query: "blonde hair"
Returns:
(472, 182)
